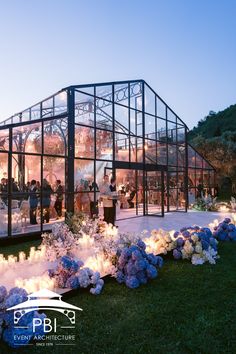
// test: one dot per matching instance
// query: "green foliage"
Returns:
(215, 124)
(215, 139)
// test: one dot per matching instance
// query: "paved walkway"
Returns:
(171, 221)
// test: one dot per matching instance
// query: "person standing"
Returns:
(106, 196)
(4, 190)
(131, 197)
(94, 196)
(59, 198)
(113, 190)
(33, 202)
(46, 200)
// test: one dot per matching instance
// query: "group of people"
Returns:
(35, 191)
(32, 191)
(89, 194)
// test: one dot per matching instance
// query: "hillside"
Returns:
(215, 124)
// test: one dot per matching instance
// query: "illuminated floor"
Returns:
(171, 221)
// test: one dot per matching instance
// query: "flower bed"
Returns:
(77, 256)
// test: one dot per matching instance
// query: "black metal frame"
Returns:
(124, 96)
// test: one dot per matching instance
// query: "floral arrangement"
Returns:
(225, 231)
(135, 266)
(71, 274)
(159, 241)
(7, 330)
(206, 203)
(196, 244)
(192, 243)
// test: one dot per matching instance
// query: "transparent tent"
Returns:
(122, 129)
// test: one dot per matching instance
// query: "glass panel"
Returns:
(136, 125)
(171, 116)
(122, 147)
(104, 144)
(161, 109)
(171, 130)
(129, 184)
(180, 134)
(25, 168)
(36, 112)
(88, 90)
(150, 151)
(25, 115)
(84, 184)
(173, 199)
(4, 139)
(47, 108)
(84, 109)
(104, 117)
(60, 103)
(161, 129)
(3, 194)
(136, 149)
(28, 138)
(53, 170)
(172, 155)
(191, 157)
(4, 182)
(84, 142)
(121, 118)
(198, 161)
(104, 91)
(150, 99)
(181, 155)
(199, 183)
(103, 168)
(153, 192)
(191, 177)
(16, 118)
(121, 94)
(55, 137)
(84, 171)
(161, 153)
(136, 95)
(150, 126)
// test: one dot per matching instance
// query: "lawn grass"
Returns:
(187, 309)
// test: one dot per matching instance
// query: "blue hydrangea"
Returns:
(95, 277)
(152, 259)
(186, 234)
(66, 262)
(180, 242)
(120, 277)
(232, 235)
(132, 282)
(140, 264)
(130, 268)
(160, 261)
(205, 245)
(176, 234)
(141, 244)
(3, 293)
(151, 271)
(72, 282)
(177, 254)
(142, 277)
(136, 255)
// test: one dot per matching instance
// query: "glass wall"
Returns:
(54, 155)
(201, 176)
